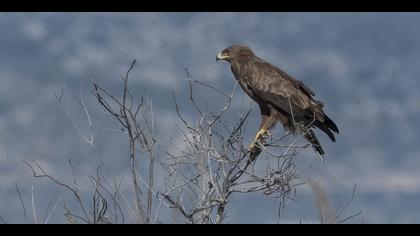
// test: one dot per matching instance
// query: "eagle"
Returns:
(279, 96)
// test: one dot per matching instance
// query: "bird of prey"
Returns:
(279, 96)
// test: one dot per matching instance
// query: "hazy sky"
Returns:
(364, 66)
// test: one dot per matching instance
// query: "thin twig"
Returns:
(21, 201)
(33, 205)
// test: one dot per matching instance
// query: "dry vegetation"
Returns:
(195, 180)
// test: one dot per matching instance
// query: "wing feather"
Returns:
(275, 86)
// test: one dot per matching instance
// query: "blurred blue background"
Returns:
(364, 66)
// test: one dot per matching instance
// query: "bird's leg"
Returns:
(259, 137)
(263, 132)
(268, 119)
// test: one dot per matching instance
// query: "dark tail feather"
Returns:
(310, 136)
(325, 128)
(330, 124)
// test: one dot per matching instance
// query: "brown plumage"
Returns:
(280, 97)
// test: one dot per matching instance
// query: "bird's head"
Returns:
(233, 52)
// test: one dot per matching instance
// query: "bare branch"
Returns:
(21, 201)
(200, 169)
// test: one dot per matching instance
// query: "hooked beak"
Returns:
(221, 56)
